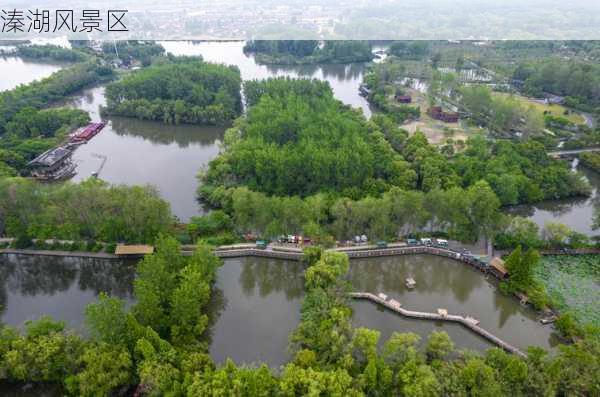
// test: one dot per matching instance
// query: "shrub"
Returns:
(221, 239)
(110, 248)
(23, 242)
(40, 244)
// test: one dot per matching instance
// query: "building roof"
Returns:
(498, 264)
(51, 157)
(123, 249)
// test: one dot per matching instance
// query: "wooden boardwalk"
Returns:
(468, 322)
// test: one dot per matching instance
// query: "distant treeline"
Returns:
(50, 52)
(178, 90)
(130, 50)
(309, 51)
(578, 81)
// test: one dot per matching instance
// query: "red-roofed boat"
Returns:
(86, 133)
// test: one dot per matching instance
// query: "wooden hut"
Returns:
(403, 98)
(53, 164)
(497, 268)
(133, 250)
(437, 113)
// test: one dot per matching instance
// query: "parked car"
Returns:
(441, 242)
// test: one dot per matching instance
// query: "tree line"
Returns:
(579, 81)
(40, 94)
(130, 50)
(309, 51)
(463, 214)
(50, 52)
(90, 210)
(178, 90)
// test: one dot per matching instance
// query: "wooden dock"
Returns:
(468, 322)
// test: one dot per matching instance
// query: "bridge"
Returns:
(571, 153)
(468, 322)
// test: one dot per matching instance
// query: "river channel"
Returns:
(256, 301)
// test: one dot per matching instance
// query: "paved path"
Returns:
(562, 153)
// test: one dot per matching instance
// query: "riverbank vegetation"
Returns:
(590, 160)
(178, 90)
(292, 52)
(91, 210)
(49, 52)
(31, 132)
(526, 233)
(43, 93)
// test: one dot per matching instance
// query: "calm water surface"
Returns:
(448, 284)
(15, 71)
(256, 307)
(34, 286)
(169, 157)
(577, 213)
(133, 152)
(256, 302)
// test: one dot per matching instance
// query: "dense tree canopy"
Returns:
(575, 79)
(129, 50)
(178, 90)
(294, 143)
(50, 52)
(91, 210)
(32, 131)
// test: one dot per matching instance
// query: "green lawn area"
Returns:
(555, 110)
(573, 282)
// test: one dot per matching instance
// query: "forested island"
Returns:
(301, 161)
(177, 90)
(49, 52)
(291, 52)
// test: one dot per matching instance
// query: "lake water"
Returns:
(16, 71)
(256, 301)
(576, 213)
(169, 157)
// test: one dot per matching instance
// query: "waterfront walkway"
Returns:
(468, 322)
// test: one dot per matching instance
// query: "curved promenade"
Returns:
(467, 322)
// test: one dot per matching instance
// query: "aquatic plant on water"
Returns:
(573, 283)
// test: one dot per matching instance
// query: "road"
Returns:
(560, 153)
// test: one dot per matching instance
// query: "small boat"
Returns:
(548, 320)
(410, 283)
